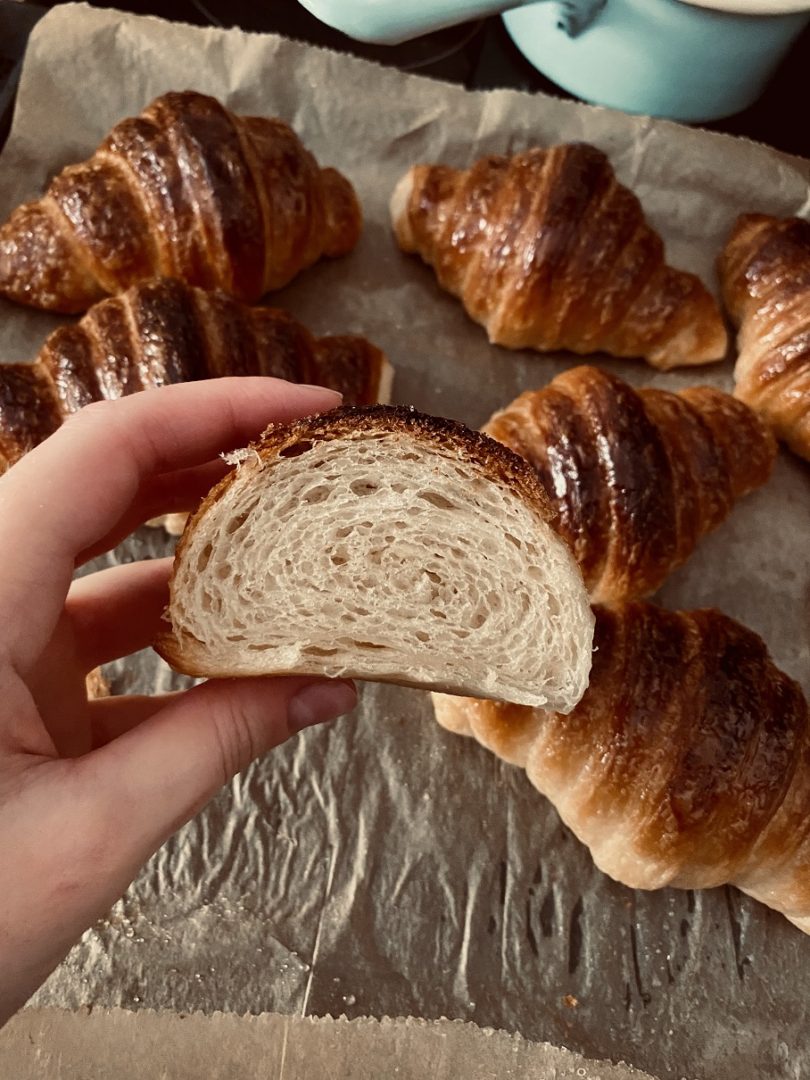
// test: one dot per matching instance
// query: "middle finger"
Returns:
(168, 493)
(117, 611)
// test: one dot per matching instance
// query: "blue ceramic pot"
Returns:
(661, 57)
(689, 61)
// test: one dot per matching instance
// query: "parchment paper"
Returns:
(117, 1045)
(384, 867)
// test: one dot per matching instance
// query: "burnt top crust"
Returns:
(494, 460)
(498, 462)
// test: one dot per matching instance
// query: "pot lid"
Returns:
(753, 7)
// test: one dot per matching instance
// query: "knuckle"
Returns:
(236, 736)
(109, 420)
(85, 847)
(93, 412)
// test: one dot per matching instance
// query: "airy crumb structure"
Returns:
(381, 544)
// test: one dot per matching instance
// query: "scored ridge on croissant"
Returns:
(765, 275)
(189, 190)
(686, 763)
(637, 476)
(165, 332)
(547, 250)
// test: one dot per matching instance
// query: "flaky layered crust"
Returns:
(686, 763)
(765, 275)
(637, 476)
(189, 190)
(166, 332)
(548, 251)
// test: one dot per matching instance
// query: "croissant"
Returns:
(187, 190)
(166, 332)
(686, 763)
(637, 476)
(765, 275)
(548, 251)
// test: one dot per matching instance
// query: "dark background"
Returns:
(478, 55)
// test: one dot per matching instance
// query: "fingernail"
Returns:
(320, 389)
(321, 701)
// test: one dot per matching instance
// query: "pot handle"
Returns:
(577, 15)
(390, 22)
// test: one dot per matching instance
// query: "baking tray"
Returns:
(383, 866)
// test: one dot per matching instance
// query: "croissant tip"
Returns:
(36, 268)
(7, 261)
(344, 217)
(699, 343)
(398, 209)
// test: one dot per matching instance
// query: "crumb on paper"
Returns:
(96, 685)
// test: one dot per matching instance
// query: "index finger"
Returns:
(74, 487)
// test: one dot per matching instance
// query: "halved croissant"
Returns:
(548, 251)
(686, 763)
(399, 547)
(637, 476)
(166, 332)
(765, 275)
(189, 190)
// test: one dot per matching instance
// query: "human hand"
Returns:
(90, 789)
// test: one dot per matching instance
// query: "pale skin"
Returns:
(90, 789)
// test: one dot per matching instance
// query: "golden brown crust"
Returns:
(685, 763)
(548, 251)
(637, 477)
(508, 730)
(351, 365)
(165, 332)
(765, 275)
(690, 737)
(189, 190)
(493, 460)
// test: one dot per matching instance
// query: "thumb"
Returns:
(158, 775)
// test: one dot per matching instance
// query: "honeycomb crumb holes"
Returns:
(452, 553)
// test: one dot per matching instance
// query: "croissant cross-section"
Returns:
(387, 545)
